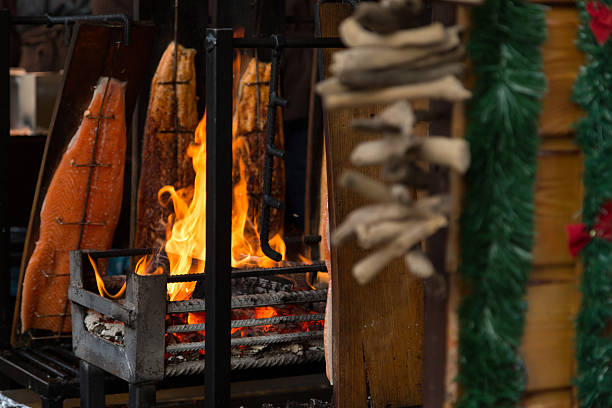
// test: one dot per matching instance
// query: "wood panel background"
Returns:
(377, 328)
(553, 295)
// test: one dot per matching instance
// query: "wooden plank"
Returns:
(89, 59)
(549, 399)
(548, 345)
(557, 200)
(554, 273)
(561, 61)
(377, 328)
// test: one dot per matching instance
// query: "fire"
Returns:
(186, 241)
(265, 313)
(186, 236)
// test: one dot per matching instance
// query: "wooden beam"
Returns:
(377, 328)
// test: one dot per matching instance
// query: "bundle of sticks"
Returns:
(387, 62)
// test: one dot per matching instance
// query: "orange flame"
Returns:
(101, 285)
(186, 242)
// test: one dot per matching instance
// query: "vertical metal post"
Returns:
(5, 274)
(142, 395)
(91, 380)
(218, 215)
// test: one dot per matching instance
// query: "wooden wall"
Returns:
(553, 296)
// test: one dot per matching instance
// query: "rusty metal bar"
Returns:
(251, 341)
(244, 301)
(185, 328)
(248, 272)
(247, 363)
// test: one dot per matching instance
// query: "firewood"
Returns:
(367, 58)
(372, 235)
(388, 16)
(397, 118)
(440, 58)
(371, 265)
(434, 204)
(400, 170)
(448, 88)
(370, 214)
(466, 2)
(454, 153)
(381, 150)
(366, 186)
(418, 264)
(424, 208)
(373, 189)
(397, 76)
(354, 35)
(401, 193)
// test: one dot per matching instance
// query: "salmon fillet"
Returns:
(45, 285)
(253, 151)
(164, 156)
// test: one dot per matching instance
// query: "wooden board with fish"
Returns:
(96, 51)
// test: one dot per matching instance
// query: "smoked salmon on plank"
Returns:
(45, 285)
(250, 127)
(164, 155)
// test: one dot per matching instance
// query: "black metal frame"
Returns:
(218, 128)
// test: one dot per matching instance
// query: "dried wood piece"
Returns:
(454, 153)
(418, 264)
(397, 76)
(381, 150)
(424, 208)
(441, 58)
(370, 266)
(372, 235)
(397, 118)
(448, 88)
(401, 193)
(368, 58)
(370, 214)
(354, 35)
(366, 186)
(388, 16)
(466, 2)
(400, 170)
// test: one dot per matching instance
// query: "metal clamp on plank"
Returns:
(273, 150)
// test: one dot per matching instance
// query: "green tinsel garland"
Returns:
(497, 219)
(593, 92)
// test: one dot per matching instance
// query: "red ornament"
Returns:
(601, 21)
(579, 236)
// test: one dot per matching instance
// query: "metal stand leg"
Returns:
(47, 402)
(218, 216)
(142, 395)
(92, 386)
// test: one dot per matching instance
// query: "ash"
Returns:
(257, 351)
(105, 327)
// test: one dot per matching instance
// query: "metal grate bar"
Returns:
(244, 301)
(242, 273)
(185, 328)
(251, 341)
(246, 363)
